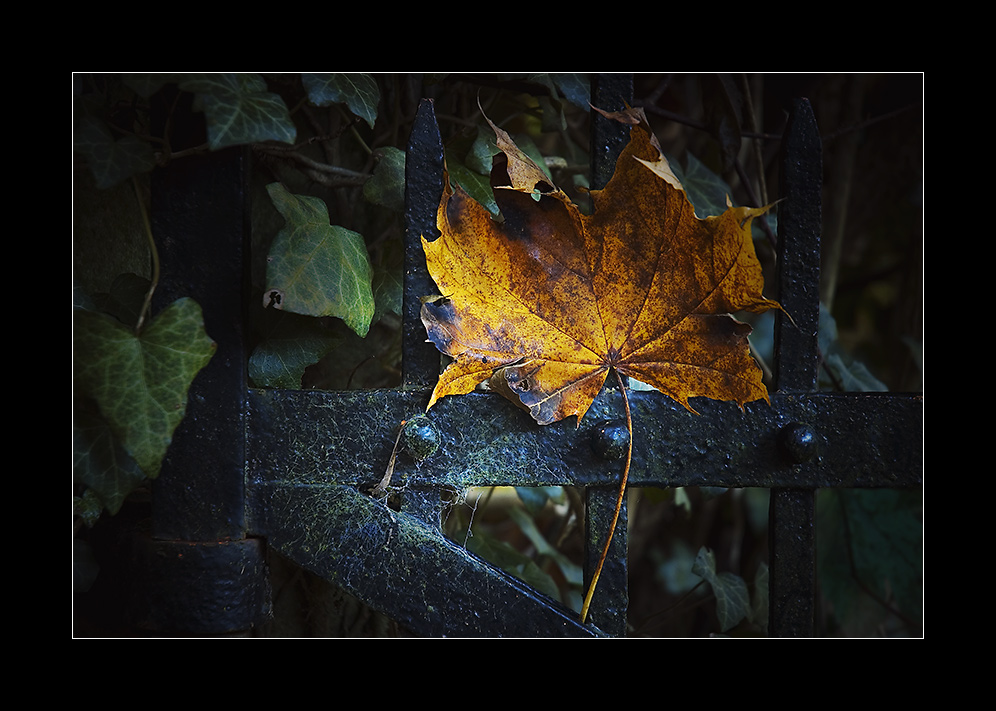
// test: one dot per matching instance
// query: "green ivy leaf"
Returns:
(708, 191)
(870, 556)
(88, 507)
(290, 346)
(840, 370)
(315, 268)
(358, 91)
(101, 463)
(468, 165)
(126, 298)
(111, 161)
(476, 185)
(388, 289)
(710, 194)
(387, 186)
(239, 109)
(482, 151)
(732, 598)
(140, 382)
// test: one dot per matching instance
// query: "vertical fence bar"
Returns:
(199, 220)
(420, 359)
(423, 191)
(799, 224)
(610, 603)
(197, 572)
(792, 584)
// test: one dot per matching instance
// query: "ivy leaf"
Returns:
(357, 91)
(140, 382)
(100, 461)
(126, 298)
(239, 109)
(477, 186)
(388, 289)
(732, 598)
(88, 507)
(708, 191)
(840, 371)
(315, 268)
(870, 556)
(468, 165)
(289, 347)
(480, 153)
(387, 186)
(111, 160)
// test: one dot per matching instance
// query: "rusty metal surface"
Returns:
(858, 440)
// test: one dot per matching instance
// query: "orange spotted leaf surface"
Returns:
(542, 303)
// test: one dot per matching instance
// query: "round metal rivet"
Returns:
(610, 439)
(799, 442)
(420, 438)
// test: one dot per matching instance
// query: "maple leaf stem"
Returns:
(619, 500)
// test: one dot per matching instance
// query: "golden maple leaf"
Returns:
(543, 303)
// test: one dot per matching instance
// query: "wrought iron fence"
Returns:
(289, 470)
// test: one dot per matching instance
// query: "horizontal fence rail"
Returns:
(483, 440)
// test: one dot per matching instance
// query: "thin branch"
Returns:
(351, 177)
